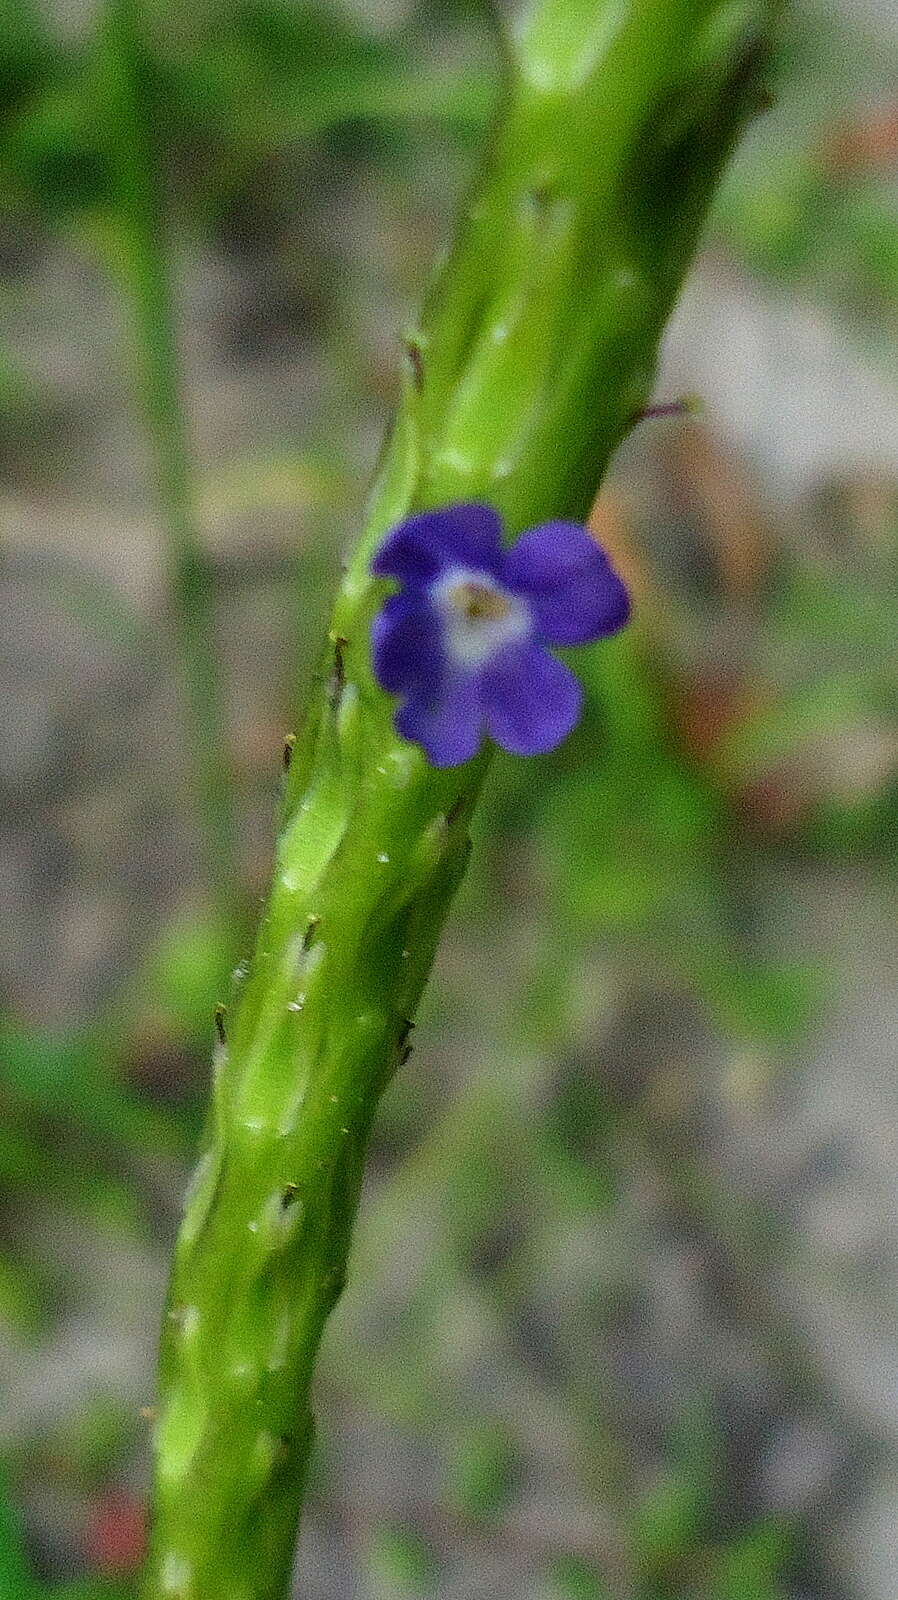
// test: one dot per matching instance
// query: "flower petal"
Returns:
(574, 592)
(406, 645)
(531, 701)
(471, 534)
(448, 724)
(424, 545)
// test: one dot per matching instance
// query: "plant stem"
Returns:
(535, 351)
(141, 263)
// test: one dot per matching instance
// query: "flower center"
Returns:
(479, 616)
(478, 603)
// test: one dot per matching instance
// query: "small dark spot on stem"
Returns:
(749, 68)
(333, 1286)
(289, 744)
(402, 1042)
(338, 676)
(416, 362)
(404, 1054)
(455, 810)
(541, 195)
(289, 1195)
(311, 929)
(219, 1015)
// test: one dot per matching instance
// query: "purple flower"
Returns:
(464, 642)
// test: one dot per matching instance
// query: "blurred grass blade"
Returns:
(140, 260)
(17, 1582)
(69, 1076)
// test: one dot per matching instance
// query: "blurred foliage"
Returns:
(399, 1564)
(645, 853)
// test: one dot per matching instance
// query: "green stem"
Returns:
(141, 263)
(536, 350)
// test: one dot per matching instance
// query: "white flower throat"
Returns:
(479, 617)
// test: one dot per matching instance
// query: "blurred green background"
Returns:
(621, 1315)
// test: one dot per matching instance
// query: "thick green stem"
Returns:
(536, 350)
(140, 259)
